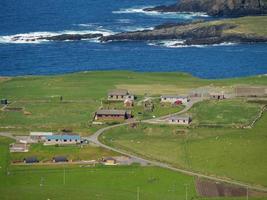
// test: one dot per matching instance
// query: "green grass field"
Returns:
(82, 94)
(232, 112)
(74, 153)
(226, 152)
(218, 151)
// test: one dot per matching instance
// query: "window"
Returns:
(65, 140)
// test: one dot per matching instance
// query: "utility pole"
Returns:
(186, 185)
(138, 194)
(64, 176)
(247, 193)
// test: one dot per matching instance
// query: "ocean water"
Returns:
(31, 18)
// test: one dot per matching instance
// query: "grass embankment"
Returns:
(256, 25)
(82, 94)
(222, 151)
(74, 153)
(232, 112)
(70, 182)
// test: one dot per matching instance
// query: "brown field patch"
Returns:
(154, 89)
(207, 188)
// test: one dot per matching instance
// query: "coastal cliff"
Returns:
(229, 8)
(241, 30)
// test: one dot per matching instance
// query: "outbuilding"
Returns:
(62, 139)
(112, 114)
(251, 91)
(181, 120)
(19, 147)
(30, 160)
(109, 161)
(217, 96)
(4, 101)
(58, 159)
(174, 98)
(40, 136)
(119, 95)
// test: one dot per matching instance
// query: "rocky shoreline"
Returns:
(190, 34)
(226, 8)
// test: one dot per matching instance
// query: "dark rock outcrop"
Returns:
(190, 34)
(230, 8)
(71, 37)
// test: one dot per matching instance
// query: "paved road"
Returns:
(8, 135)
(162, 120)
(94, 139)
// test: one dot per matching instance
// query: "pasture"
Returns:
(226, 152)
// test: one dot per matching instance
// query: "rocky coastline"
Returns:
(218, 8)
(191, 34)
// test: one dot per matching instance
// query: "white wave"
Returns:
(178, 15)
(135, 28)
(180, 44)
(124, 21)
(36, 37)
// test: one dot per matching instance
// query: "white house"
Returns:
(181, 120)
(40, 136)
(173, 99)
(62, 139)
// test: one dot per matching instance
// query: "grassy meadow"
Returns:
(222, 151)
(39, 96)
(230, 112)
(225, 152)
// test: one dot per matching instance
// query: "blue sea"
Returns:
(30, 18)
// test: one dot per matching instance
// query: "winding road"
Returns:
(144, 161)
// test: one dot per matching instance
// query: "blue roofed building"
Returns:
(62, 139)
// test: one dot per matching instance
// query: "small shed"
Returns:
(217, 96)
(128, 103)
(30, 160)
(4, 101)
(173, 98)
(58, 159)
(109, 161)
(180, 120)
(19, 147)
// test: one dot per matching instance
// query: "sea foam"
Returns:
(178, 15)
(36, 37)
(180, 44)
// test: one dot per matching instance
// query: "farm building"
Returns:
(62, 139)
(109, 161)
(18, 147)
(128, 103)
(119, 95)
(217, 96)
(40, 136)
(30, 160)
(174, 99)
(181, 120)
(4, 101)
(112, 115)
(248, 91)
(58, 159)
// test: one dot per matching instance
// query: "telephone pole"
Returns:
(186, 195)
(138, 194)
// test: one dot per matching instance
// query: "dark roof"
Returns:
(118, 92)
(111, 112)
(60, 159)
(32, 159)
